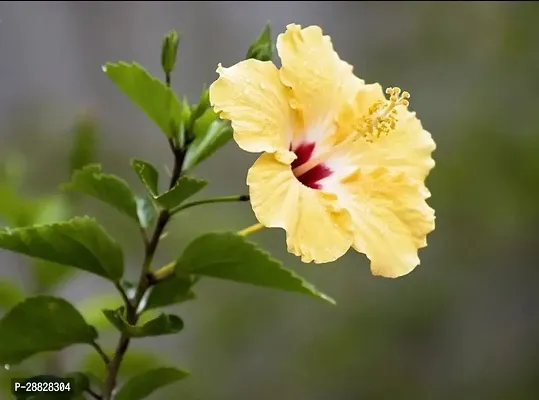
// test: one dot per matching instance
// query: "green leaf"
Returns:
(162, 325)
(146, 211)
(158, 101)
(184, 188)
(80, 242)
(47, 274)
(172, 291)
(10, 294)
(186, 119)
(231, 256)
(203, 105)
(38, 324)
(148, 175)
(144, 384)
(262, 48)
(84, 148)
(107, 188)
(211, 133)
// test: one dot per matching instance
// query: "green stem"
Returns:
(122, 292)
(100, 351)
(132, 314)
(225, 199)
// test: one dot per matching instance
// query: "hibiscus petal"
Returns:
(407, 148)
(252, 97)
(321, 82)
(390, 217)
(317, 230)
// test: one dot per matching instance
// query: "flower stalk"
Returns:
(251, 229)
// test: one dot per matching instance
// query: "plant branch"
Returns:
(143, 283)
(225, 199)
(125, 298)
(100, 351)
(143, 235)
(179, 157)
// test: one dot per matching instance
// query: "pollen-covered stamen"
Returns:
(382, 116)
(380, 120)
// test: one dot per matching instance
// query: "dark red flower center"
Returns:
(311, 178)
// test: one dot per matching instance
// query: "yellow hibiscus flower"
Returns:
(342, 165)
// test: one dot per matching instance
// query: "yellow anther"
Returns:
(396, 97)
(382, 115)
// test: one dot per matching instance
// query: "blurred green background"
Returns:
(462, 325)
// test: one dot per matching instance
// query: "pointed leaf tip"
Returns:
(230, 256)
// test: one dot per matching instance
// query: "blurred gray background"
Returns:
(463, 325)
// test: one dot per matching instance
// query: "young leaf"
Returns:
(158, 101)
(172, 291)
(162, 325)
(107, 188)
(184, 188)
(80, 242)
(146, 211)
(262, 48)
(148, 175)
(230, 256)
(211, 133)
(203, 104)
(143, 385)
(10, 294)
(38, 324)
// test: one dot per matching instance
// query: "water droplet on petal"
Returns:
(262, 86)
